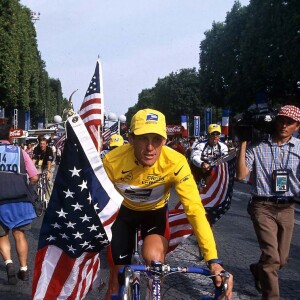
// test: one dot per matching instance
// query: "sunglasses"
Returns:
(215, 134)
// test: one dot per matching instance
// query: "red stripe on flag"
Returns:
(90, 102)
(93, 111)
(61, 273)
(81, 283)
(39, 259)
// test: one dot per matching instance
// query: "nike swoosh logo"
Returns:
(123, 256)
(124, 172)
(151, 229)
(176, 173)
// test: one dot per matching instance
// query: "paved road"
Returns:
(236, 245)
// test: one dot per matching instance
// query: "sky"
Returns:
(137, 41)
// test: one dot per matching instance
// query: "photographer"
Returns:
(275, 165)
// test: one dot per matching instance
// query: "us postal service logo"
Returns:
(152, 117)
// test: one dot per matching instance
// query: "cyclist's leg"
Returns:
(154, 248)
(156, 234)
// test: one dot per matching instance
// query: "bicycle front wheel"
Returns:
(39, 204)
(127, 290)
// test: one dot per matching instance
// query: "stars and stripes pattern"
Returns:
(180, 228)
(60, 142)
(216, 196)
(108, 132)
(92, 108)
(77, 223)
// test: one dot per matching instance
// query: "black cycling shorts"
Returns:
(124, 228)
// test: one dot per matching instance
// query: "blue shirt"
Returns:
(267, 156)
(17, 214)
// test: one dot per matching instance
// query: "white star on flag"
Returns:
(75, 172)
(61, 213)
(83, 185)
(69, 193)
(77, 206)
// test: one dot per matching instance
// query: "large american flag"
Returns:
(77, 223)
(216, 196)
(92, 108)
(216, 199)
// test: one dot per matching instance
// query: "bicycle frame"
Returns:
(41, 189)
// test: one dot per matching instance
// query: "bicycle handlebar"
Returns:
(160, 269)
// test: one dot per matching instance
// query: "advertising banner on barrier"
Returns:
(173, 129)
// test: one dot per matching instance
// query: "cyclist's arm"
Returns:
(50, 159)
(196, 155)
(189, 197)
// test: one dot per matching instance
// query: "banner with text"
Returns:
(173, 129)
(196, 126)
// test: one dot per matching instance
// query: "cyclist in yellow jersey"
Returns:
(144, 171)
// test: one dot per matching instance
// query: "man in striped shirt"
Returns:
(275, 164)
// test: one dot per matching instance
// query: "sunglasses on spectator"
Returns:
(215, 133)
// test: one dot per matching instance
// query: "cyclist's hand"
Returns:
(205, 166)
(216, 269)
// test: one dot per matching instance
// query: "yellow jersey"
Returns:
(148, 188)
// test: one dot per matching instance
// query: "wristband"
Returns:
(215, 261)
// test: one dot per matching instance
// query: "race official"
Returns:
(275, 164)
(144, 172)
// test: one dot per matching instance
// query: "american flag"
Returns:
(108, 132)
(77, 223)
(92, 108)
(60, 142)
(216, 196)
(180, 228)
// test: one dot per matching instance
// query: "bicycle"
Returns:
(130, 283)
(41, 187)
(130, 277)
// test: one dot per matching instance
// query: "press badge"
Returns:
(280, 180)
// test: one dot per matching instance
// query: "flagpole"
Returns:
(102, 107)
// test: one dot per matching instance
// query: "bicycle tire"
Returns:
(39, 206)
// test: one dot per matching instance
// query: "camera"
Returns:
(255, 124)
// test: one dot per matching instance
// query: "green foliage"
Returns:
(174, 95)
(255, 50)
(24, 81)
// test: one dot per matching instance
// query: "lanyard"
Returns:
(281, 156)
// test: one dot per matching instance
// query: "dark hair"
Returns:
(43, 139)
(4, 131)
